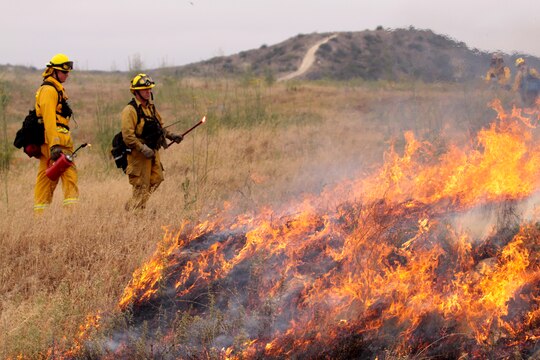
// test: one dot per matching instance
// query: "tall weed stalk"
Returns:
(108, 123)
(6, 150)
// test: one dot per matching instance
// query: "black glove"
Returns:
(175, 137)
(56, 151)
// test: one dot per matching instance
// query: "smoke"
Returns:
(486, 220)
(531, 208)
(352, 144)
(327, 268)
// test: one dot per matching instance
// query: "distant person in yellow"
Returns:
(144, 134)
(527, 83)
(52, 107)
(498, 71)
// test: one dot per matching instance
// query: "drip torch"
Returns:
(194, 126)
(202, 121)
(58, 167)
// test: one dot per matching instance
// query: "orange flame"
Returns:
(504, 164)
(386, 262)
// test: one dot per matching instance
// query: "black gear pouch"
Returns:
(152, 134)
(66, 109)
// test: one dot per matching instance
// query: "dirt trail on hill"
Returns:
(308, 60)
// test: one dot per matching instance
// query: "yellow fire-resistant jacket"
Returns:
(131, 131)
(523, 72)
(49, 107)
(501, 74)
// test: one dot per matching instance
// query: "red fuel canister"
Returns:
(57, 168)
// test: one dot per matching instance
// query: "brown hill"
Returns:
(380, 54)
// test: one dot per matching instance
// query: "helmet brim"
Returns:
(142, 87)
(67, 66)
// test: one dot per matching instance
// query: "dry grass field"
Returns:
(264, 144)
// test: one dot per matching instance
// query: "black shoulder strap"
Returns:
(45, 82)
(138, 110)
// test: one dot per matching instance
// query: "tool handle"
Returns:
(203, 120)
(194, 126)
(80, 147)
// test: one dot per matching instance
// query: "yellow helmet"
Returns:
(141, 82)
(520, 61)
(60, 62)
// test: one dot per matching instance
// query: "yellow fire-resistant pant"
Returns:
(44, 189)
(145, 175)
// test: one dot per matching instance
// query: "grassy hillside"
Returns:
(381, 54)
(263, 145)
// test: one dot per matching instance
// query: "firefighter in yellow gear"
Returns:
(144, 134)
(498, 71)
(52, 107)
(526, 82)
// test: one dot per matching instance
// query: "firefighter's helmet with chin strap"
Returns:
(141, 82)
(60, 62)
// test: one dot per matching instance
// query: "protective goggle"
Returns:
(144, 81)
(67, 66)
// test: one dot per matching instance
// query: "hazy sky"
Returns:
(106, 34)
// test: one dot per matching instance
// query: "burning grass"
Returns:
(386, 271)
(304, 279)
